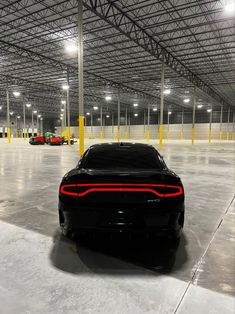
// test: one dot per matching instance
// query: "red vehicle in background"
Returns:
(37, 140)
(54, 140)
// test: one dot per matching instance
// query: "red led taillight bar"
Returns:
(121, 187)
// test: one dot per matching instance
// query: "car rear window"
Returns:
(122, 158)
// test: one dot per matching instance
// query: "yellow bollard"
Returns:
(161, 136)
(233, 136)
(168, 135)
(125, 135)
(210, 136)
(118, 135)
(8, 135)
(68, 132)
(25, 135)
(112, 135)
(181, 135)
(220, 136)
(147, 135)
(81, 135)
(227, 136)
(193, 135)
(101, 135)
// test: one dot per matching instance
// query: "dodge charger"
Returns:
(121, 187)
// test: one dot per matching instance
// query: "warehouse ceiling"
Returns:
(124, 45)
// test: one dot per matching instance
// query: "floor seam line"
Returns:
(200, 260)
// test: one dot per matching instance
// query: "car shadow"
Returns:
(117, 256)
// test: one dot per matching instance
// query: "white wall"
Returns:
(137, 131)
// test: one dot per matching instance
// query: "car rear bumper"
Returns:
(135, 220)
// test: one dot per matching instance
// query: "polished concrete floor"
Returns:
(42, 272)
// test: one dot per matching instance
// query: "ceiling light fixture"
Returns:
(209, 110)
(169, 112)
(18, 117)
(88, 114)
(35, 111)
(71, 47)
(28, 105)
(186, 100)
(95, 108)
(229, 7)
(62, 109)
(167, 91)
(63, 102)
(16, 93)
(136, 114)
(107, 116)
(108, 97)
(65, 87)
(0, 107)
(135, 105)
(11, 113)
(199, 106)
(154, 109)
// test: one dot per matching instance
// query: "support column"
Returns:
(37, 125)
(210, 134)
(112, 132)
(80, 78)
(148, 122)
(182, 126)
(101, 123)
(168, 126)
(227, 133)
(118, 118)
(233, 132)
(221, 122)
(68, 109)
(161, 107)
(8, 118)
(129, 126)
(144, 126)
(92, 134)
(41, 126)
(24, 127)
(194, 112)
(32, 124)
(126, 133)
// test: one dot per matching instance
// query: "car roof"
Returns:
(115, 145)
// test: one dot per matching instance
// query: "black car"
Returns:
(124, 187)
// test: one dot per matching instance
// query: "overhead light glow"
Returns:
(167, 91)
(39, 116)
(186, 100)
(65, 87)
(135, 105)
(209, 110)
(11, 113)
(95, 108)
(28, 105)
(136, 114)
(61, 118)
(154, 109)
(0, 107)
(62, 109)
(41, 119)
(16, 93)
(108, 97)
(71, 48)
(35, 111)
(199, 106)
(63, 102)
(88, 114)
(18, 117)
(107, 116)
(169, 112)
(230, 7)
